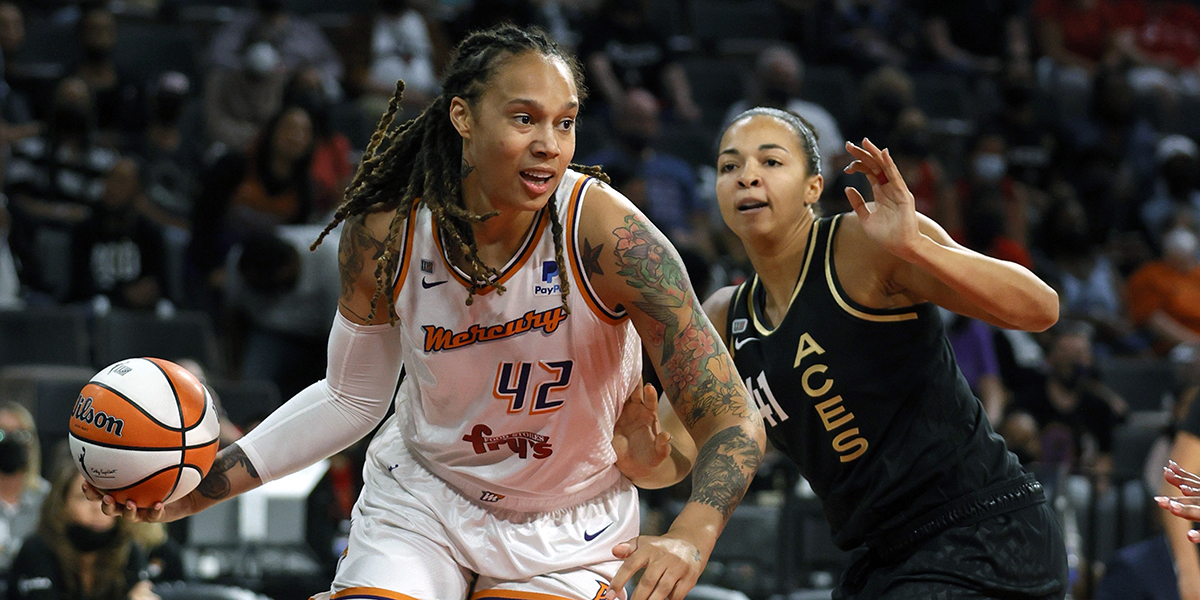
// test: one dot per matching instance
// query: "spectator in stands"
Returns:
(15, 110)
(987, 169)
(1076, 37)
(1141, 571)
(975, 352)
(164, 555)
(296, 42)
(331, 159)
(253, 190)
(240, 99)
(1074, 411)
(661, 185)
(1089, 286)
(624, 51)
(56, 180)
(777, 82)
(1176, 195)
(884, 96)
(873, 33)
(10, 282)
(1032, 138)
(975, 38)
(22, 488)
(170, 158)
(78, 552)
(1162, 40)
(280, 295)
(117, 95)
(1111, 151)
(1164, 294)
(395, 41)
(922, 171)
(984, 228)
(119, 252)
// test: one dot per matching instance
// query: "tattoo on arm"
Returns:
(591, 258)
(701, 379)
(697, 374)
(357, 242)
(724, 466)
(215, 485)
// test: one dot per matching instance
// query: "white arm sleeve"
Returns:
(329, 415)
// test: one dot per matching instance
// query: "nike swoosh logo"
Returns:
(427, 285)
(587, 537)
(737, 344)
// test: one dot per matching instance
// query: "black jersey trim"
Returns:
(575, 257)
(809, 251)
(879, 315)
(406, 251)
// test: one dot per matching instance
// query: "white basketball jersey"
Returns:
(512, 400)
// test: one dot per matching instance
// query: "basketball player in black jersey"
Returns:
(838, 338)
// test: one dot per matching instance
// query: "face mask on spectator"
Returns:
(989, 167)
(86, 539)
(260, 58)
(13, 456)
(1179, 241)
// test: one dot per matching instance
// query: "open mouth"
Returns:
(537, 178)
(750, 205)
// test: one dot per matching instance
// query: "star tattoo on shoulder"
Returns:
(591, 258)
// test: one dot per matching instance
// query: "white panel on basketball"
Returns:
(150, 388)
(115, 468)
(188, 480)
(206, 430)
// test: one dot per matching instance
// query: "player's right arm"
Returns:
(363, 367)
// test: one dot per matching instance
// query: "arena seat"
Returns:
(187, 334)
(45, 335)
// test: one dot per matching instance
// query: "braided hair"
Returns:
(421, 160)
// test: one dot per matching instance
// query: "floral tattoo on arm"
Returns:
(697, 373)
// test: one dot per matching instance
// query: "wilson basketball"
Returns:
(144, 429)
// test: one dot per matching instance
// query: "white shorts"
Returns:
(412, 536)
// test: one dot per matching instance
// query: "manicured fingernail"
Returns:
(1176, 505)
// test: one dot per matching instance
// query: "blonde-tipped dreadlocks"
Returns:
(421, 161)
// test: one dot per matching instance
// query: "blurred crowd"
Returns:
(167, 155)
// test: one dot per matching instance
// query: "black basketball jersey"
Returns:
(869, 403)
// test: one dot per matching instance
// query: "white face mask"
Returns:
(260, 58)
(990, 167)
(1180, 242)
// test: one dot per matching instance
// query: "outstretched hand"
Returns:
(158, 513)
(672, 567)
(638, 436)
(892, 222)
(1186, 506)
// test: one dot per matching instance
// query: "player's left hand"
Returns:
(672, 567)
(892, 221)
(638, 436)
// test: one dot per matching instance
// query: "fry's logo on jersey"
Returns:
(440, 338)
(520, 442)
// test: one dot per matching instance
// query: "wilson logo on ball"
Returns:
(98, 419)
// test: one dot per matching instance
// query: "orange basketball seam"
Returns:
(145, 479)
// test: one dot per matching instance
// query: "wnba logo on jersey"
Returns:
(547, 286)
(519, 443)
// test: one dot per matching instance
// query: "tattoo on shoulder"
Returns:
(357, 242)
(699, 376)
(216, 485)
(591, 258)
(723, 469)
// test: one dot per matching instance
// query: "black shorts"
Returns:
(1019, 554)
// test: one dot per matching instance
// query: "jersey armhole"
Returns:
(575, 257)
(405, 251)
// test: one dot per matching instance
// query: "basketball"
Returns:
(144, 429)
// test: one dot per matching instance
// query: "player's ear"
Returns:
(460, 116)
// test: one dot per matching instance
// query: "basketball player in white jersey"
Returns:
(513, 287)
